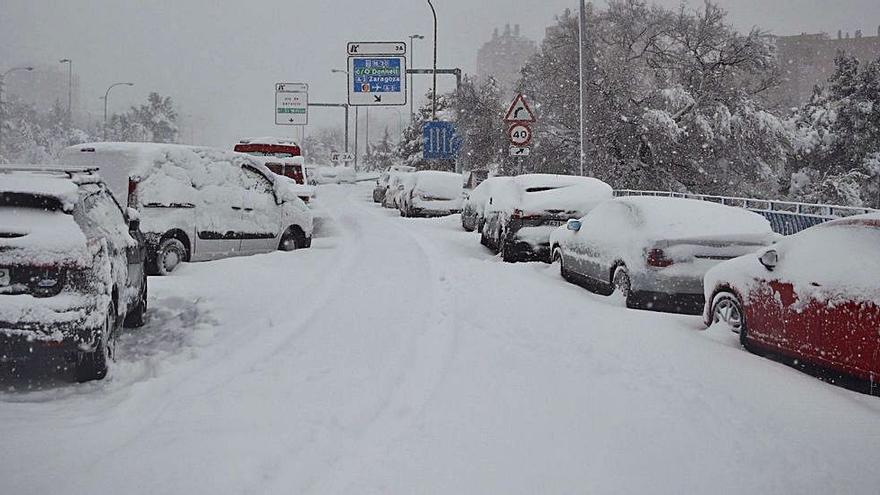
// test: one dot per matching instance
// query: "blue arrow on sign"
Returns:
(440, 142)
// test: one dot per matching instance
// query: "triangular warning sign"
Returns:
(519, 111)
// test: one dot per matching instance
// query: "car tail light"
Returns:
(47, 282)
(657, 258)
(132, 193)
(520, 215)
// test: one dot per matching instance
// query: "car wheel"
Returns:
(557, 258)
(727, 309)
(293, 239)
(484, 239)
(169, 256)
(508, 254)
(93, 365)
(138, 315)
(622, 283)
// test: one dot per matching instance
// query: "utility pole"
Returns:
(434, 90)
(69, 63)
(356, 123)
(412, 47)
(582, 30)
(2, 108)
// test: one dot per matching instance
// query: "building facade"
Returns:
(807, 60)
(503, 57)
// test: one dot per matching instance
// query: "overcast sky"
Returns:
(220, 63)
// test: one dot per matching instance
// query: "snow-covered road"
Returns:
(398, 356)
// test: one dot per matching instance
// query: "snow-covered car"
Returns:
(473, 207)
(655, 251)
(199, 204)
(382, 181)
(71, 268)
(334, 175)
(396, 183)
(813, 297)
(431, 193)
(523, 212)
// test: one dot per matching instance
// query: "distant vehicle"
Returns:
(813, 297)
(396, 184)
(431, 193)
(332, 175)
(473, 207)
(71, 268)
(473, 178)
(199, 204)
(523, 212)
(382, 181)
(655, 251)
(269, 146)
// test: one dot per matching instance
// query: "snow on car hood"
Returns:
(34, 236)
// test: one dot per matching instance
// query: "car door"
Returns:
(593, 251)
(261, 214)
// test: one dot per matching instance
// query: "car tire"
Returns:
(93, 365)
(557, 257)
(170, 254)
(484, 239)
(508, 255)
(137, 317)
(621, 282)
(727, 308)
(293, 239)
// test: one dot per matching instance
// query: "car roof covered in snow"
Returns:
(120, 161)
(46, 180)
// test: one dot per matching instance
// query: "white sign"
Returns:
(291, 104)
(517, 151)
(519, 111)
(377, 74)
(338, 156)
(520, 135)
(377, 48)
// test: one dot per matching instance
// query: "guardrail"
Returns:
(786, 217)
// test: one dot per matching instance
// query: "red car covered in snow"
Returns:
(813, 296)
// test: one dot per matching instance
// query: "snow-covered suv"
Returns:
(199, 204)
(71, 268)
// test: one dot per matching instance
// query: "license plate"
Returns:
(4, 277)
(554, 223)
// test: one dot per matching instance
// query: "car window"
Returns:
(256, 181)
(99, 216)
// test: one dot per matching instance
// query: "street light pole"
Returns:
(434, 90)
(582, 38)
(412, 47)
(106, 96)
(2, 108)
(69, 63)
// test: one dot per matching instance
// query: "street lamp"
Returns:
(69, 63)
(412, 46)
(106, 97)
(434, 90)
(2, 109)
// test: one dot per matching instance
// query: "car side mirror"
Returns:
(769, 259)
(574, 225)
(134, 219)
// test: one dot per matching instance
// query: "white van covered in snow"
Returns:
(197, 203)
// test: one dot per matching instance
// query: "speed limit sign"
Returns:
(520, 135)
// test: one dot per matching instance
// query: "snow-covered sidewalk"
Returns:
(398, 356)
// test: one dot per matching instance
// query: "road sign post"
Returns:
(519, 112)
(519, 117)
(291, 104)
(377, 74)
